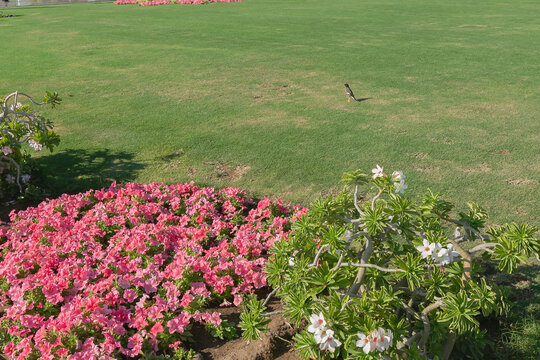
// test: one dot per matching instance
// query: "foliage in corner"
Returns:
(391, 277)
(20, 126)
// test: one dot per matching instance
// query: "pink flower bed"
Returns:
(117, 272)
(167, 2)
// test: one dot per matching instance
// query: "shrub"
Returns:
(117, 272)
(390, 277)
(19, 126)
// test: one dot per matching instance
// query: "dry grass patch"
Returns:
(518, 182)
(480, 168)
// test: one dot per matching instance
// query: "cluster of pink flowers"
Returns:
(126, 2)
(166, 2)
(154, 2)
(122, 271)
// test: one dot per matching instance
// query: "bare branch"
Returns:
(373, 266)
(356, 201)
(273, 313)
(375, 199)
(321, 249)
(467, 227)
(467, 259)
(484, 247)
(410, 340)
(338, 265)
(425, 320)
(362, 270)
(345, 305)
(270, 296)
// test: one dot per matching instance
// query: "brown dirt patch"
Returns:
(426, 168)
(518, 182)
(226, 171)
(481, 168)
(420, 155)
(502, 152)
(444, 140)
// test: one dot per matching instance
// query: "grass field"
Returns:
(251, 95)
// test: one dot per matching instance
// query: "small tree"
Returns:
(18, 125)
(388, 278)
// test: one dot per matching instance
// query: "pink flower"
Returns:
(186, 299)
(99, 258)
(157, 328)
(179, 323)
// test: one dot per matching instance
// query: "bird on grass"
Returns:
(349, 92)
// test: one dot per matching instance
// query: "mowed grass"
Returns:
(251, 95)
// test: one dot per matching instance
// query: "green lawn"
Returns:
(251, 95)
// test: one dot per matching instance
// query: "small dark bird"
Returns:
(349, 92)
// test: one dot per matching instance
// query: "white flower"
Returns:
(322, 335)
(377, 172)
(400, 187)
(291, 261)
(330, 343)
(381, 339)
(388, 338)
(317, 323)
(25, 178)
(397, 176)
(7, 150)
(378, 339)
(451, 251)
(10, 179)
(35, 145)
(426, 249)
(16, 107)
(442, 257)
(365, 343)
(445, 256)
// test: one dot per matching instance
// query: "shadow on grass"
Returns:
(362, 99)
(75, 170)
(517, 335)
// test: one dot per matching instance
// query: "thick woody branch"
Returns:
(484, 247)
(467, 259)
(362, 270)
(425, 320)
(448, 345)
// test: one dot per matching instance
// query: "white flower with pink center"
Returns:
(426, 249)
(6, 150)
(35, 145)
(330, 344)
(365, 343)
(317, 323)
(377, 172)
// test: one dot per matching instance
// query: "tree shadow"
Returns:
(523, 288)
(76, 170)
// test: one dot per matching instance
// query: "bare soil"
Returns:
(274, 345)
